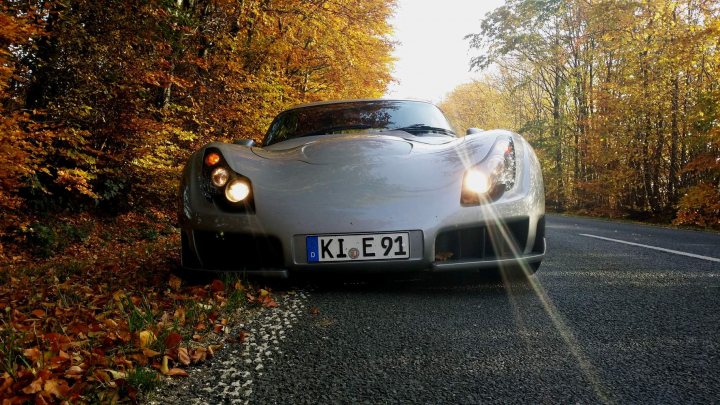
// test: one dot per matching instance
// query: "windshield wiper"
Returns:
(421, 128)
(330, 130)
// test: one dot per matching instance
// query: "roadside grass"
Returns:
(97, 313)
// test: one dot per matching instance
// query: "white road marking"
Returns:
(677, 252)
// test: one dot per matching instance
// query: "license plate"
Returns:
(365, 247)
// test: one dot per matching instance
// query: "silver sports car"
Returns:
(367, 185)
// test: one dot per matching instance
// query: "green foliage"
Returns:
(143, 379)
(48, 239)
(10, 349)
(139, 317)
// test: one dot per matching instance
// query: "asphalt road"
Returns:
(602, 321)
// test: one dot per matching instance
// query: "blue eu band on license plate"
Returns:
(363, 247)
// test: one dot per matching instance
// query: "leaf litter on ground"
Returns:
(103, 320)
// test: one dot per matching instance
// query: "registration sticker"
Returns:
(363, 247)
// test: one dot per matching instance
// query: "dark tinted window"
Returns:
(347, 117)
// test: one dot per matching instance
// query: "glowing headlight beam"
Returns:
(237, 190)
(477, 181)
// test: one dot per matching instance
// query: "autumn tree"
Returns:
(103, 101)
(478, 105)
(620, 95)
(18, 31)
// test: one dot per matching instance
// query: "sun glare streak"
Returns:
(500, 233)
(464, 155)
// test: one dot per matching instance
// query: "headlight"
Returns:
(237, 190)
(477, 182)
(489, 179)
(219, 176)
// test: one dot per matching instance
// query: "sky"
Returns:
(432, 56)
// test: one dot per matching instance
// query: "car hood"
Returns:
(352, 149)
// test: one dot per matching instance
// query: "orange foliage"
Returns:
(98, 314)
(700, 206)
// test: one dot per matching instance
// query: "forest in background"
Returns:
(621, 100)
(101, 101)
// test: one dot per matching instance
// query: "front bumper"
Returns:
(513, 242)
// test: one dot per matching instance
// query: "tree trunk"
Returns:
(675, 134)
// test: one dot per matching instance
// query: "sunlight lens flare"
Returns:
(237, 190)
(477, 181)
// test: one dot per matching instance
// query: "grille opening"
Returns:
(234, 251)
(489, 241)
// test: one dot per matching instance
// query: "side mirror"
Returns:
(245, 142)
(471, 131)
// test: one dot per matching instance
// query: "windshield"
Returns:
(413, 117)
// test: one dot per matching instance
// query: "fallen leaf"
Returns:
(40, 400)
(268, 302)
(212, 348)
(263, 292)
(241, 336)
(173, 340)
(33, 354)
(57, 388)
(164, 365)
(183, 356)
(175, 283)
(198, 355)
(177, 372)
(180, 315)
(74, 372)
(34, 387)
(217, 286)
(146, 338)
(7, 382)
(314, 311)
(39, 313)
(117, 375)
(150, 353)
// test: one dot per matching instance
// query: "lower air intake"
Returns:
(232, 251)
(503, 240)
